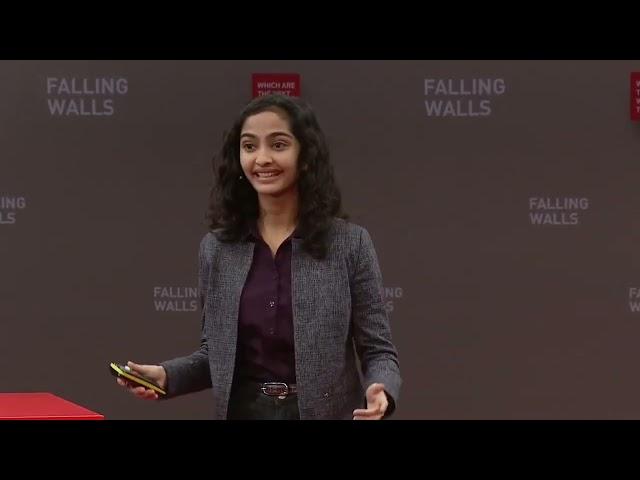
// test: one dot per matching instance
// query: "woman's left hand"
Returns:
(377, 404)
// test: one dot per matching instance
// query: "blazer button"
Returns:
(272, 304)
(326, 395)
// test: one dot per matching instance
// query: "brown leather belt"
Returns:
(278, 389)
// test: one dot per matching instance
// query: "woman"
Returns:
(290, 291)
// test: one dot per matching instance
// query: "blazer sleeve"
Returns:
(371, 327)
(191, 373)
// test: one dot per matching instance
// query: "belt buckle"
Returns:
(275, 389)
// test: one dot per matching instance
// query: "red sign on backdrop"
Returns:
(283, 83)
(635, 96)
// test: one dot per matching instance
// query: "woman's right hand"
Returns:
(155, 373)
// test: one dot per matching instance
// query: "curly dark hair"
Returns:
(233, 202)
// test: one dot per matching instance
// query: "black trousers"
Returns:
(247, 402)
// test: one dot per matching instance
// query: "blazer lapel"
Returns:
(304, 276)
(228, 279)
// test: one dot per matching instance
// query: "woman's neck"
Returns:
(278, 215)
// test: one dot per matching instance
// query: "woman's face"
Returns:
(269, 153)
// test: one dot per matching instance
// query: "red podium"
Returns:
(42, 406)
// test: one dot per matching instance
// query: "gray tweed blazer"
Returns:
(338, 315)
